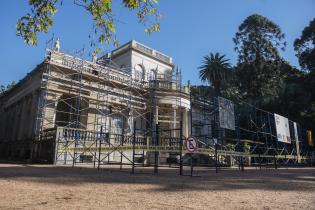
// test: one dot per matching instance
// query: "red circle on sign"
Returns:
(191, 144)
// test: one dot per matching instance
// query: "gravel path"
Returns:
(51, 187)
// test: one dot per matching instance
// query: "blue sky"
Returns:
(190, 29)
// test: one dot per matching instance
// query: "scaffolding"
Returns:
(93, 113)
(253, 141)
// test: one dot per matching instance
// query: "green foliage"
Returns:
(258, 83)
(258, 39)
(230, 147)
(4, 88)
(231, 89)
(258, 69)
(264, 79)
(295, 98)
(305, 47)
(309, 109)
(206, 92)
(40, 19)
(215, 69)
(261, 77)
(246, 147)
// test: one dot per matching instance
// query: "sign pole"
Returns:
(191, 146)
(191, 164)
(181, 149)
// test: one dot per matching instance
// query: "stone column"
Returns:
(130, 122)
(174, 119)
(185, 122)
(156, 115)
(54, 112)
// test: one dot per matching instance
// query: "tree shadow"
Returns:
(168, 179)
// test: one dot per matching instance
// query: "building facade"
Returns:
(69, 99)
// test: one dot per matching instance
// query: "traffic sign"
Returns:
(191, 144)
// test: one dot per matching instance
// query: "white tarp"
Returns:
(226, 113)
(283, 130)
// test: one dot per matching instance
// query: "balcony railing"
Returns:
(81, 136)
(169, 85)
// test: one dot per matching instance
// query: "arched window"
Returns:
(139, 72)
(71, 112)
(117, 124)
(153, 74)
(168, 75)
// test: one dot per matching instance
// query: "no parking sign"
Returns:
(191, 144)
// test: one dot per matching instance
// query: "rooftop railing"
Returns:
(79, 64)
(144, 49)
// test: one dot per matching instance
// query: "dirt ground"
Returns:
(50, 187)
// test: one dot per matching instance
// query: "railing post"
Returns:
(275, 162)
(216, 157)
(75, 136)
(156, 153)
(133, 147)
(65, 135)
(57, 139)
(100, 149)
(191, 165)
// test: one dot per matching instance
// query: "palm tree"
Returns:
(214, 69)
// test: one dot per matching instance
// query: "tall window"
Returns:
(139, 72)
(117, 124)
(71, 112)
(153, 74)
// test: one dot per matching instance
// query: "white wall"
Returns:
(132, 58)
(124, 60)
(149, 64)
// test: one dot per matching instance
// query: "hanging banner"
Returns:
(310, 138)
(226, 113)
(297, 142)
(283, 130)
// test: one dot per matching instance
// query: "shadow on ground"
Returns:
(292, 179)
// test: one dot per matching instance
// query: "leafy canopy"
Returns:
(305, 47)
(258, 39)
(40, 19)
(257, 43)
(214, 69)
(261, 77)
(6, 88)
